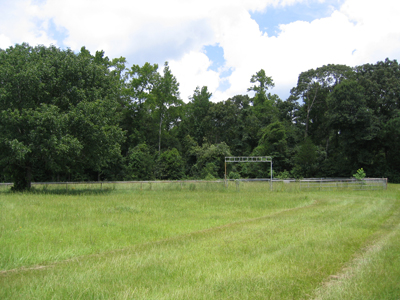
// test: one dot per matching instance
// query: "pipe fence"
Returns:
(264, 184)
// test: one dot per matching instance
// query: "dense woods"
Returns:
(67, 116)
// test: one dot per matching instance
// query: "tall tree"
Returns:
(354, 125)
(57, 112)
(313, 86)
(165, 101)
(262, 83)
(381, 84)
(138, 89)
(263, 102)
(194, 121)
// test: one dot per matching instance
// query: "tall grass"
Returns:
(200, 244)
(40, 227)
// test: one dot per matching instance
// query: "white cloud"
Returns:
(192, 71)
(5, 41)
(177, 30)
(377, 33)
(19, 23)
(300, 46)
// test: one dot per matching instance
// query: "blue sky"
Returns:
(214, 43)
(270, 19)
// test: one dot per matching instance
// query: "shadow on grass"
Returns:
(61, 191)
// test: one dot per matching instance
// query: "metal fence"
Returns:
(213, 185)
(98, 186)
(342, 183)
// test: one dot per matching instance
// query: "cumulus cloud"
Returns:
(5, 41)
(20, 23)
(349, 36)
(192, 71)
(156, 31)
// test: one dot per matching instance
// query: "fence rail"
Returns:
(342, 183)
(238, 184)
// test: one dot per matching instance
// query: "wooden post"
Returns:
(271, 175)
(225, 175)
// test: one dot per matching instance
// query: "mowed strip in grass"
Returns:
(199, 245)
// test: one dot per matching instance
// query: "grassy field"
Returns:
(200, 242)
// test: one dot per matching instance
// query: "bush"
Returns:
(360, 174)
(234, 175)
(170, 165)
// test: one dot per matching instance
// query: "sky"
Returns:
(215, 43)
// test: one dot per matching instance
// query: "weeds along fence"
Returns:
(314, 184)
(99, 186)
(276, 185)
(344, 184)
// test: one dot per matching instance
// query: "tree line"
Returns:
(67, 116)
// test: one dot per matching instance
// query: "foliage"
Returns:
(313, 86)
(234, 175)
(195, 122)
(139, 163)
(170, 165)
(283, 175)
(210, 159)
(56, 112)
(305, 159)
(78, 116)
(360, 174)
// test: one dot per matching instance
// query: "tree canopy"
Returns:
(57, 113)
(82, 116)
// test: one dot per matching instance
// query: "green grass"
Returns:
(202, 242)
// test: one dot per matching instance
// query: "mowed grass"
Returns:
(204, 243)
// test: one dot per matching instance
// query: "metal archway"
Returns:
(248, 159)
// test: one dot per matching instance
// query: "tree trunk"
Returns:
(327, 147)
(22, 177)
(159, 137)
(309, 107)
(28, 178)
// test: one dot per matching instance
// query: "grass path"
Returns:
(374, 272)
(158, 242)
(336, 245)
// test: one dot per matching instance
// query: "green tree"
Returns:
(262, 83)
(388, 155)
(210, 160)
(140, 163)
(165, 102)
(381, 84)
(57, 112)
(313, 86)
(170, 165)
(151, 106)
(195, 121)
(306, 159)
(138, 121)
(360, 174)
(233, 122)
(263, 102)
(354, 124)
(273, 142)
